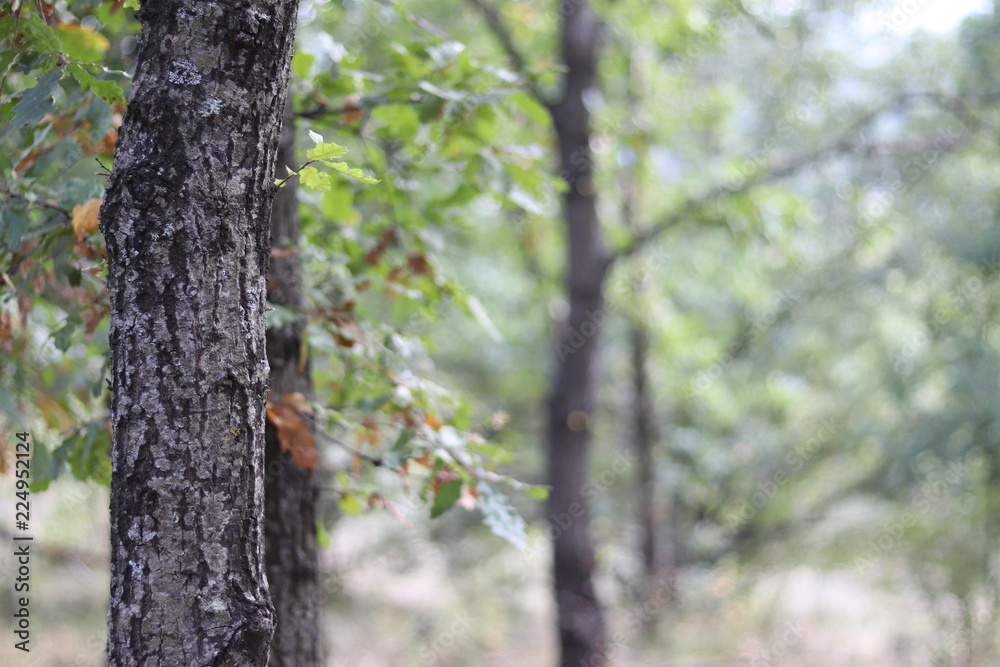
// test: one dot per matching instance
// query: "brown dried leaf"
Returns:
(433, 421)
(85, 217)
(352, 112)
(48, 14)
(294, 433)
(372, 434)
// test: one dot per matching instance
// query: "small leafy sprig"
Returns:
(324, 153)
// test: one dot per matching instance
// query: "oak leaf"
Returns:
(85, 217)
(294, 433)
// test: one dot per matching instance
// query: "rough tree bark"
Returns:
(186, 224)
(581, 621)
(291, 493)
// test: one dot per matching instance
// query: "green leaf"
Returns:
(463, 415)
(84, 450)
(322, 537)
(531, 180)
(324, 150)
(42, 36)
(536, 492)
(89, 460)
(463, 194)
(41, 461)
(36, 102)
(447, 494)
(63, 338)
(302, 64)
(345, 169)
(400, 450)
(535, 112)
(7, 57)
(13, 224)
(501, 518)
(314, 178)
(400, 120)
(109, 91)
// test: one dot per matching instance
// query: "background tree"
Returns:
(291, 476)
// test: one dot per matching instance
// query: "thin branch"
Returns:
(376, 461)
(694, 204)
(960, 108)
(424, 25)
(762, 28)
(37, 203)
(363, 104)
(496, 25)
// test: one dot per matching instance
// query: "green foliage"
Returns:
(427, 113)
(323, 153)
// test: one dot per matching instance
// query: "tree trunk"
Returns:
(291, 493)
(581, 622)
(185, 220)
(644, 437)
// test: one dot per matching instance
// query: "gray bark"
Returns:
(186, 224)
(571, 403)
(291, 493)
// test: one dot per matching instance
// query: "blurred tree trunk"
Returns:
(571, 403)
(644, 438)
(291, 493)
(644, 435)
(185, 219)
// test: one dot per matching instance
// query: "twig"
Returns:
(496, 25)
(423, 24)
(374, 460)
(363, 104)
(762, 28)
(10, 65)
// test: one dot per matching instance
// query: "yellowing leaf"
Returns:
(81, 43)
(349, 503)
(85, 218)
(433, 421)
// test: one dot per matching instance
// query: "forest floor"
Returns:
(449, 594)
